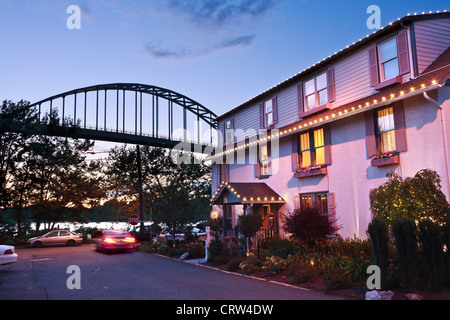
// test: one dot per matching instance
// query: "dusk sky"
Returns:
(217, 52)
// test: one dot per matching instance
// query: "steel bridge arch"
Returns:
(119, 134)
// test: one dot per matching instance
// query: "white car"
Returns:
(7, 254)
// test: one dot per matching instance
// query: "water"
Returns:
(99, 225)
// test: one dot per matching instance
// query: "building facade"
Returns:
(327, 136)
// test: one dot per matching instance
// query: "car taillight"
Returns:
(130, 239)
(109, 240)
(9, 251)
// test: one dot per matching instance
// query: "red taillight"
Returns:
(9, 251)
(130, 239)
(109, 240)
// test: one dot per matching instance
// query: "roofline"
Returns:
(400, 23)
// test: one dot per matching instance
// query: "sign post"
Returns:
(208, 241)
(134, 219)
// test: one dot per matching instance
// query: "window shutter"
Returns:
(373, 66)
(371, 145)
(300, 99)
(402, 51)
(261, 115)
(224, 134)
(332, 209)
(327, 144)
(275, 110)
(256, 166)
(296, 202)
(400, 129)
(330, 85)
(294, 155)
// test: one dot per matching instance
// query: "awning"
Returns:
(245, 193)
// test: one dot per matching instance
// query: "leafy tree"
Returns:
(416, 198)
(308, 225)
(177, 193)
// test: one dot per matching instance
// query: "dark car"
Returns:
(136, 231)
(115, 240)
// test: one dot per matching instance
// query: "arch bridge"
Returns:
(128, 113)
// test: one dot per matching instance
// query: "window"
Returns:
(386, 130)
(264, 161)
(316, 91)
(228, 131)
(389, 60)
(387, 53)
(312, 148)
(316, 94)
(268, 113)
(53, 234)
(317, 201)
(64, 233)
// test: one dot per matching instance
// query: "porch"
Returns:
(236, 198)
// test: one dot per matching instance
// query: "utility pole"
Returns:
(141, 196)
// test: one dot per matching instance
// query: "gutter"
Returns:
(444, 135)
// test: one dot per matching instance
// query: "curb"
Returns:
(196, 262)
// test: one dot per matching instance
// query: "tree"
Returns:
(177, 193)
(405, 235)
(308, 225)
(379, 235)
(417, 198)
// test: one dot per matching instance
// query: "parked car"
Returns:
(56, 237)
(7, 254)
(181, 236)
(115, 240)
(136, 231)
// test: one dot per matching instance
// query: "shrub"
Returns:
(250, 265)
(217, 252)
(235, 262)
(415, 198)
(309, 226)
(432, 248)
(335, 279)
(379, 235)
(357, 267)
(273, 265)
(405, 235)
(301, 273)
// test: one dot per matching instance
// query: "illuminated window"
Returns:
(317, 201)
(264, 161)
(386, 130)
(312, 148)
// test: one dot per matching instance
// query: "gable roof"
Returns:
(401, 22)
(245, 193)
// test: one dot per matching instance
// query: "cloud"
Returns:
(217, 13)
(155, 49)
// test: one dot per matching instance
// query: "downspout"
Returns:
(444, 134)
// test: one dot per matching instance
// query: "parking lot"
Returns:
(46, 273)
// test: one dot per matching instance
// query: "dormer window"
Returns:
(388, 61)
(387, 52)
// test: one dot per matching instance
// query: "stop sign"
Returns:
(133, 219)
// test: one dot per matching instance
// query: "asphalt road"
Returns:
(42, 274)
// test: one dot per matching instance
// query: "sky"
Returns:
(220, 53)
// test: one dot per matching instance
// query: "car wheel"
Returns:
(37, 244)
(71, 243)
